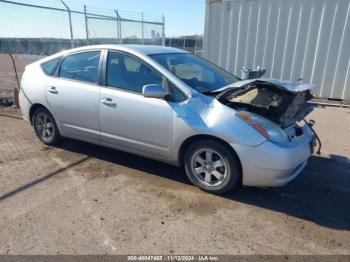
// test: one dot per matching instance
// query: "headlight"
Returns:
(264, 126)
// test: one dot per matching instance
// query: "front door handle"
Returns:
(108, 102)
(53, 90)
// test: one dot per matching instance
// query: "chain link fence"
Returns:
(32, 29)
(114, 26)
(193, 44)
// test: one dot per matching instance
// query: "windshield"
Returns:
(198, 73)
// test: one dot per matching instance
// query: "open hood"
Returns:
(282, 102)
(287, 85)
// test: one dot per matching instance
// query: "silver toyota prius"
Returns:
(169, 105)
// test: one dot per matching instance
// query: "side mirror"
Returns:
(153, 91)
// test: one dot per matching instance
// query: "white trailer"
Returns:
(292, 39)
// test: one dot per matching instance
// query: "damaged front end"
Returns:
(272, 107)
(283, 103)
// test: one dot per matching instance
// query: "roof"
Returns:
(144, 49)
(154, 49)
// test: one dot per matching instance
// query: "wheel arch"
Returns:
(184, 146)
(33, 108)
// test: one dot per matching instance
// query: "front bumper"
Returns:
(274, 165)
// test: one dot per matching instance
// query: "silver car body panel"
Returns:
(273, 164)
(76, 106)
(157, 128)
(131, 126)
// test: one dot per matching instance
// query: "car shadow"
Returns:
(321, 194)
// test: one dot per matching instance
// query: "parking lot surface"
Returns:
(79, 198)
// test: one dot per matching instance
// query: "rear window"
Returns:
(81, 66)
(50, 67)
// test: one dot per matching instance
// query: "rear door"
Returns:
(127, 119)
(73, 96)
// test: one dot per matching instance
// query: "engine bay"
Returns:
(272, 101)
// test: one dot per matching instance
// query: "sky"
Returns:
(182, 17)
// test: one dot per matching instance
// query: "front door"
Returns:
(127, 119)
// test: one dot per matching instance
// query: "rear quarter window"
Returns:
(50, 66)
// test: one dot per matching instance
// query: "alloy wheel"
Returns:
(44, 126)
(209, 167)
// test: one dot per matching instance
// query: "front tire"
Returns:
(45, 127)
(212, 167)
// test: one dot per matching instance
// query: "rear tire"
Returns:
(45, 127)
(212, 167)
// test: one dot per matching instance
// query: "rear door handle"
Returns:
(53, 90)
(108, 102)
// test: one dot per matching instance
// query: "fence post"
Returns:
(142, 26)
(116, 12)
(195, 45)
(86, 26)
(70, 24)
(16, 90)
(119, 27)
(163, 31)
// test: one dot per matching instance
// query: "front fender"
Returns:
(204, 115)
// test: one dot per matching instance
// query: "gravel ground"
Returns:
(78, 198)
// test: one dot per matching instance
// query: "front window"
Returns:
(129, 73)
(196, 72)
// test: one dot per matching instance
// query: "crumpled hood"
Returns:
(282, 102)
(287, 85)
